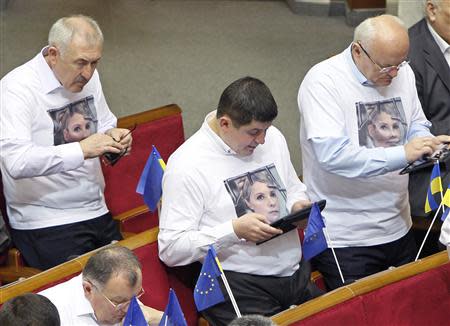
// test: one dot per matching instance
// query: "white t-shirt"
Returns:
(201, 197)
(46, 180)
(367, 199)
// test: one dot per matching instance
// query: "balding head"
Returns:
(386, 32)
(380, 42)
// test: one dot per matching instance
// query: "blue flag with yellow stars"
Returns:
(314, 242)
(207, 292)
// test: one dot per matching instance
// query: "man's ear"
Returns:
(430, 11)
(52, 55)
(356, 49)
(87, 288)
(225, 122)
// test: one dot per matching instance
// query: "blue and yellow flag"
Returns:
(207, 292)
(173, 315)
(134, 316)
(446, 203)
(435, 187)
(314, 242)
(150, 182)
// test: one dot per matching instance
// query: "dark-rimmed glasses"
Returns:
(383, 70)
(118, 306)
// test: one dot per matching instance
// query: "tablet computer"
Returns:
(286, 223)
(442, 154)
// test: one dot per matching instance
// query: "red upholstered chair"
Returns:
(162, 127)
(417, 293)
(156, 282)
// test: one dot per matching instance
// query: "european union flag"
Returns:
(150, 183)
(134, 316)
(207, 292)
(435, 187)
(446, 202)
(173, 315)
(314, 242)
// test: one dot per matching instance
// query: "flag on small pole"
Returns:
(134, 316)
(430, 203)
(150, 182)
(207, 292)
(446, 203)
(435, 187)
(316, 238)
(314, 242)
(173, 315)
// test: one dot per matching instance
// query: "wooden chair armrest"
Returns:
(131, 213)
(10, 274)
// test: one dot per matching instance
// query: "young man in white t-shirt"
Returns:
(223, 187)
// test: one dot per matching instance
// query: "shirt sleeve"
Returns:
(21, 156)
(180, 240)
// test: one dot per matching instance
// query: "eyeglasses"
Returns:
(118, 306)
(383, 70)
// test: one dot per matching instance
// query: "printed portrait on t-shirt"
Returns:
(381, 123)
(260, 191)
(74, 122)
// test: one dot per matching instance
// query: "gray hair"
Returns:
(64, 30)
(109, 262)
(366, 32)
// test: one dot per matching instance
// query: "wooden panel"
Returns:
(366, 4)
(69, 268)
(164, 111)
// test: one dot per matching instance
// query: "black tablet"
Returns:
(286, 223)
(443, 155)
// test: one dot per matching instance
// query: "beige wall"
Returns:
(410, 11)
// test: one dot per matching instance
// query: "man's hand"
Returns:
(422, 146)
(298, 205)
(122, 136)
(98, 144)
(152, 316)
(254, 227)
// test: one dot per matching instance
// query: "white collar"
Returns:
(46, 74)
(217, 140)
(442, 44)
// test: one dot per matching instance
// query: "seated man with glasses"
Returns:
(101, 294)
(367, 214)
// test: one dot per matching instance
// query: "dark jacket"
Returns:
(433, 86)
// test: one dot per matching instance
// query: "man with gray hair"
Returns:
(430, 61)
(101, 294)
(367, 214)
(54, 188)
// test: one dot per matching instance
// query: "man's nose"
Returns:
(88, 71)
(261, 138)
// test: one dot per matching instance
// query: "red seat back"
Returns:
(162, 127)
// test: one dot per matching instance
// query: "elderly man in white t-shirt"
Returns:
(55, 124)
(367, 213)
